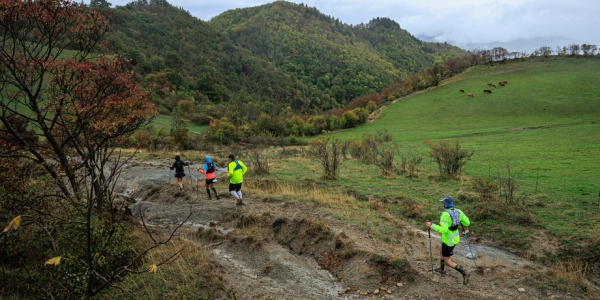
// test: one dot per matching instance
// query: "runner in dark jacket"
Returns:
(179, 171)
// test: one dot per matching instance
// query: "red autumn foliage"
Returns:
(62, 111)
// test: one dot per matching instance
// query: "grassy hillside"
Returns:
(545, 124)
(547, 117)
(546, 120)
(164, 121)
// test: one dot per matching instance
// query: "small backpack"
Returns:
(455, 216)
(210, 167)
(237, 165)
(179, 164)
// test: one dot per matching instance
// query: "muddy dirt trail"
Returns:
(271, 249)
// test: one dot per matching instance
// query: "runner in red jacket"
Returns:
(209, 170)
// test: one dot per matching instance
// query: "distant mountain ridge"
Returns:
(342, 60)
(400, 47)
(527, 45)
(264, 58)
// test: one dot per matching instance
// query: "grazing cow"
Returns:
(502, 84)
(489, 83)
(462, 91)
(505, 82)
(470, 96)
(487, 91)
(494, 86)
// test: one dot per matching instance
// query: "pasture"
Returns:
(544, 124)
(547, 118)
(164, 121)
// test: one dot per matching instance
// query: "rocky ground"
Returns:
(272, 249)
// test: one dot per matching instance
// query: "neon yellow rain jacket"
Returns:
(236, 170)
(449, 222)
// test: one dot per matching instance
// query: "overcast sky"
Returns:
(466, 23)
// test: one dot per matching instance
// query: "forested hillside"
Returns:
(182, 58)
(275, 70)
(399, 47)
(341, 60)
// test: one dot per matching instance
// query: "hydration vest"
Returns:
(455, 216)
(210, 167)
(237, 165)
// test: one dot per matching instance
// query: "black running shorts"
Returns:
(447, 250)
(235, 187)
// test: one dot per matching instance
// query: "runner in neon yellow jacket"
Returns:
(236, 170)
(450, 220)
(451, 237)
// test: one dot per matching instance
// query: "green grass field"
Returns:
(164, 121)
(545, 124)
(546, 118)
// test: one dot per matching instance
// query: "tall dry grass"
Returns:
(188, 277)
(369, 216)
(571, 277)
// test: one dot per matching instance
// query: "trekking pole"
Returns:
(430, 251)
(469, 244)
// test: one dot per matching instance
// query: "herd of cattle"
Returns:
(501, 84)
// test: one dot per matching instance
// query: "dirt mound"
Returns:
(211, 235)
(354, 267)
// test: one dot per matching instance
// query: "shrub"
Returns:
(350, 119)
(345, 149)
(221, 132)
(382, 150)
(509, 184)
(362, 114)
(410, 163)
(486, 188)
(414, 162)
(449, 158)
(142, 139)
(335, 122)
(328, 151)
(319, 123)
(181, 138)
(68, 238)
(259, 160)
(357, 149)
(371, 106)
